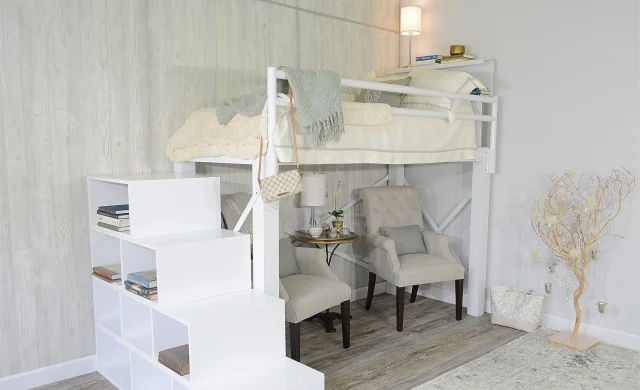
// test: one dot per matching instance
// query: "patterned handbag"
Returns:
(281, 185)
(516, 308)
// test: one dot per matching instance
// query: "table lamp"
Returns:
(410, 23)
(313, 193)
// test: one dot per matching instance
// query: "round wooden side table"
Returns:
(325, 240)
(327, 317)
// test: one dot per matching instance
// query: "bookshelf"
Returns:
(450, 65)
(235, 334)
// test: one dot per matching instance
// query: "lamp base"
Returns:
(581, 343)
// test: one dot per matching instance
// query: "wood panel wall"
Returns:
(97, 87)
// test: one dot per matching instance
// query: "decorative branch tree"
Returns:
(574, 216)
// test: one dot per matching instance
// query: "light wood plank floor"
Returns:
(432, 343)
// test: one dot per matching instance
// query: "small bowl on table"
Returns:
(315, 231)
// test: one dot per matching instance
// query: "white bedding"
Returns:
(405, 140)
(386, 139)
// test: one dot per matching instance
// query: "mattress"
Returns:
(393, 140)
(405, 140)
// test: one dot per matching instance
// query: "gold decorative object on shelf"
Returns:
(455, 50)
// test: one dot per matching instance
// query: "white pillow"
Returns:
(439, 80)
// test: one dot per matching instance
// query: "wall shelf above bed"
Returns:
(439, 66)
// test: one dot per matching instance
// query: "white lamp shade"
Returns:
(410, 20)
(313, 189)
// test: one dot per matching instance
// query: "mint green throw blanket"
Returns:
(317, 98)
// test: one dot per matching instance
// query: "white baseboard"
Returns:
(361, 292)
(609, 336)
(50, 374)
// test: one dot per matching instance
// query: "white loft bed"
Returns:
(266, 227)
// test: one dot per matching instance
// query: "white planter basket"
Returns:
(516, 308)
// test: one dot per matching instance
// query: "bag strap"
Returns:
(295, 139)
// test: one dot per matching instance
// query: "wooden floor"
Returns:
(432, 343)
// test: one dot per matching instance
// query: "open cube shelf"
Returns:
(235, 334)
(159, 203)
(113, 360)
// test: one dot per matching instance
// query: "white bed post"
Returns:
(184, 167)
(266, 224)
(479, 235)
(396, 175)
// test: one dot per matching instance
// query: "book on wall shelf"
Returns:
(454, 58)
(176, 359)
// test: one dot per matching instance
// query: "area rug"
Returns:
(531, 362)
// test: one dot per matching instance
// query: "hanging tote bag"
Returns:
(516, 308)
(285, 184)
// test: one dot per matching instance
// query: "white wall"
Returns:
(97, 87)
(568, 76)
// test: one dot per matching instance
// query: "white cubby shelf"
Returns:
(235, 334)
(158, 203)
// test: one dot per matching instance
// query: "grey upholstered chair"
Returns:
(308, 286)
(393, 207)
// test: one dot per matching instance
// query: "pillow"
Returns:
(408, 239)
(349, 94)
(391, 98)
(439, 80)
(288, 264)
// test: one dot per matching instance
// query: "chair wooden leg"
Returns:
(399, 308)
(414, 293)
(345, 312)
(372, 286)
(294, 340)
(459, 291)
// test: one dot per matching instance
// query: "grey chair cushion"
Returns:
(408, 239)
(422, 268)
(232, 206)
(288, 263)
(309, 295)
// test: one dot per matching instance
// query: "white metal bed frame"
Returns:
(266, 227)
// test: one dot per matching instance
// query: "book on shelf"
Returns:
(481, 92)
(112, 227)
(116, 216)
(141, 289)
(176, 359)
(425, 62)
(455, 58)
(115, 209)
(152, 297)
(105, 279)
(109, 271)
(117, 222)
(428, 58)
(147, 279)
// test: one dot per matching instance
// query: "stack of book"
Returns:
(454, 58)
(144, 284)
(427, 60)
(176, 359)
(109, 273)
(114, 217)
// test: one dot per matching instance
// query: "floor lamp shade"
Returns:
(313, 189)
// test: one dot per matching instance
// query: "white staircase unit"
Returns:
(235, 334)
